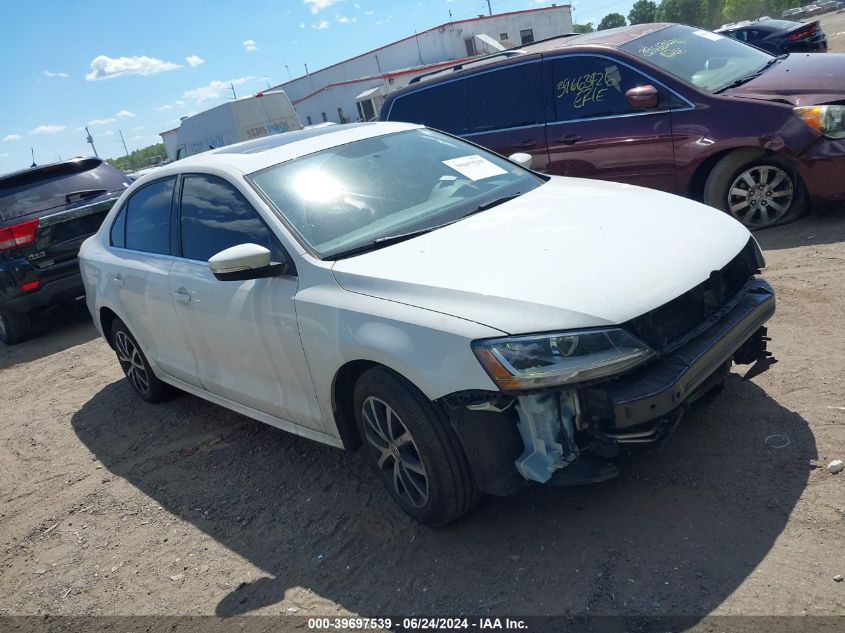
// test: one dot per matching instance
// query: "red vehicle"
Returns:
(658, 105)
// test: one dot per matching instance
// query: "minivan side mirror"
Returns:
(642, 97)
(242, 262)
(521, 159)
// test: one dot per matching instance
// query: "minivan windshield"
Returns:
(706, 60)
(369, 193)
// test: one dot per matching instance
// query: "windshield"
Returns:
(704, 59)
(377, 190)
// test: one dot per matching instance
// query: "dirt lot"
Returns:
(112, 506)
(833, 25)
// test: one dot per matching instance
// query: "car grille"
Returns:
(668, 325)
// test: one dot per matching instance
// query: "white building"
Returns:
(354, 89)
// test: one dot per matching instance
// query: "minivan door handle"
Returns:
(568, 139)
(118, 280)
(182, 295)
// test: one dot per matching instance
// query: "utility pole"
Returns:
(32, 151)
(232, 86)
(289, 75)
(489, 8)
(90, 139)
(125, 149)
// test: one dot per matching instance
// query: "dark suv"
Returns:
(45, 214)
(665, 106)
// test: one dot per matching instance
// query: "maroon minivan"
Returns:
(666, 106)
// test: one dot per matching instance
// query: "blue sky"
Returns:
(137, 67)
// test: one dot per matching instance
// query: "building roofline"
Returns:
(434, 28)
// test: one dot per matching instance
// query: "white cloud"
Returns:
(171, 106)
(342, 19)
(194, 60)
(104, 67)
(302, 25)
(368, 12)
(322, 24)
(47, 129)
(137, 128)
(107, 133)
(11, 137)
(214, 89)
(5, 155)
(358, 6)
(249, 46)
(48, 73)
(125, 114)
(101, 122)
(137, 138)
(318, 5)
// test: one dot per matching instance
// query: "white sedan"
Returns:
(472, 324)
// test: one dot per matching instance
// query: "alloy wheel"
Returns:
(396, 452)
(132, 363)
(761, 195)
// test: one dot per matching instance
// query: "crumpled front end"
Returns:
(569, 435)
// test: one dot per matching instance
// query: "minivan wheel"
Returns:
(135, 365)
(757, 189)
(413, 448)
(14, 328)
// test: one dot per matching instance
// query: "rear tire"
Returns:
(135, 366)
(413, 449)
(758, 189)
(14, 327)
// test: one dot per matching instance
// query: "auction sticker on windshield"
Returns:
(714, 37)
(474, 167)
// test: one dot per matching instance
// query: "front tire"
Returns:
(14, 327)
(135, 366)
(413, 449)
(758, 189)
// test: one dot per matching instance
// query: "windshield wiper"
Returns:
(754, 75)
(84, 193)
(387, 240)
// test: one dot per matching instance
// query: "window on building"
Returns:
(505, 98)
(148, 218)
(584, 87)
(442, 107)
(503, 37)
(470, 44)
(325, 118)
(340, 117)
(308, 118)
(216, 216)
(526, 36)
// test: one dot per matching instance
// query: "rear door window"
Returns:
(442, 107)
(586, 86)
(505, 98)
(118, 229)
(148, 218)
(216, 216)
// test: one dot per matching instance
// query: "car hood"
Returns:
(571, 253)
(800, 79)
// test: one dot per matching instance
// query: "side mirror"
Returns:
(242, 262)
(521, 159)
(642, 97)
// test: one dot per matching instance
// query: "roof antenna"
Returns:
(32, 150)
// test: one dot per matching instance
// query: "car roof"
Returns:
(610, 38)
(250, 156)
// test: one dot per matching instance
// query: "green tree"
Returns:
(642, 12)
(692, 12)
(612, 21)
(140, 158)
(583, 28)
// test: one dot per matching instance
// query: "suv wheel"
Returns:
(757, 189)
(14, 328)
(413, 448)
(135, 365)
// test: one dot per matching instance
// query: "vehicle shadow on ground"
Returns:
(68, 327)
(823, 227)
(676, 534)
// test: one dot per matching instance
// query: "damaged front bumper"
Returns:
(553, 436)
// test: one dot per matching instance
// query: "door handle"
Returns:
(568, 139)
(182, 295)
(118, 281)
(527, 143)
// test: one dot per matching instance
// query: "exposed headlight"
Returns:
(828, 120)
(544, 360)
